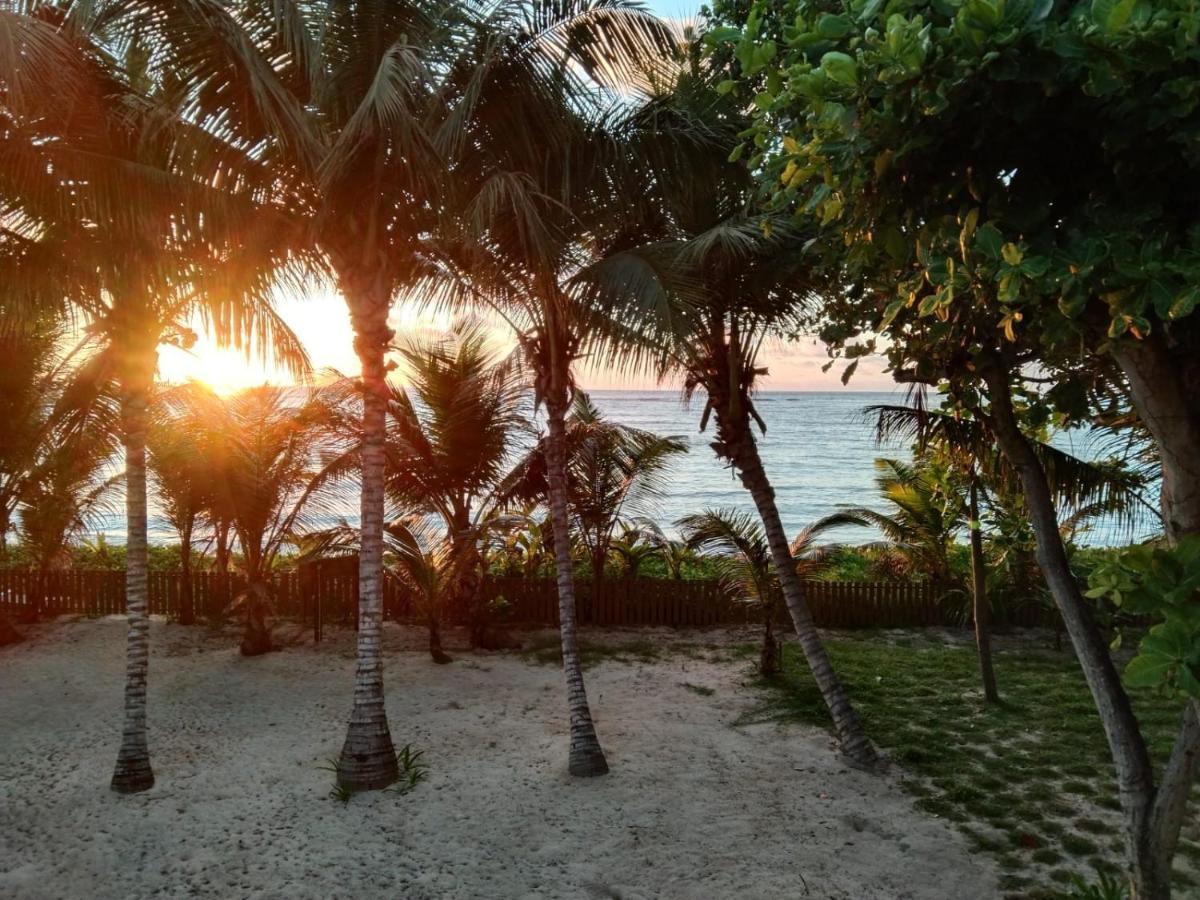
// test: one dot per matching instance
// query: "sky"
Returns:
(321, 322)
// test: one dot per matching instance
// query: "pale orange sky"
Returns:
(322, 323)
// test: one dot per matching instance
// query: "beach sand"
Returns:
(694, 807)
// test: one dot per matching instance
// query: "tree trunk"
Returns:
(133, 772)
(368, 759)
(854, 742)
(1135, 777)
(982, 613)
(768, 658)
(1169, 405)
(187, 611)
(586, 756)
(435, 642)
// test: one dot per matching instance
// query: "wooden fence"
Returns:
(328, 592)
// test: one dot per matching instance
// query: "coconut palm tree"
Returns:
(1079, 486)
(118, 203)
(269, 449)
(614, 472)
(451, 430)
(699, 298)
(739, 543)
(540, 210)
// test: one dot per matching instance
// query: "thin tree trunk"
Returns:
(586, 756)
(435, 641)
(1135, 776)
(133, 772)
(368, 759)
(768, 658)
(982, 612)
(187, 612)
(854, 742)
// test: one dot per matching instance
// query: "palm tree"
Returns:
(269, 451)
(540, 210)
(183, 444)
(697, 291)
(613, 472)
(118, 203)
(967, 447)
(30, 378)
(427, 575)
(927, 508)
(451, 430)
(745, 562)
(674, 553)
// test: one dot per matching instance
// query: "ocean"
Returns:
(819, 452)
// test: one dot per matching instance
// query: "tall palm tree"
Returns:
(541, 209)
(744, 558)
(701, 296)
(128, 210)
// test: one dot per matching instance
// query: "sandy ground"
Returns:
(694, 807)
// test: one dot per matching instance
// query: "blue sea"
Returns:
(819, 451)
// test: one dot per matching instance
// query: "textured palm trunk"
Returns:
(854, 742)
(368, 758)
(133, 772)
(586, 756)
(982, 613)
(1152, 814)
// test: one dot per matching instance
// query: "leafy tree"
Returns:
(1003, 193)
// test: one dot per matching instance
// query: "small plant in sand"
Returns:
(340, 792)
(412, 770)
(1106, 888)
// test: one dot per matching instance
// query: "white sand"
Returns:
(694, 808)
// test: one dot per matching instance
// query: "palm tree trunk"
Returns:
(133, 772)
(368, 759)
(187, 612)
(983, 633)
(855, 744)
(586, 756)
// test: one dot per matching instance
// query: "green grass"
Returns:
(1029, 781)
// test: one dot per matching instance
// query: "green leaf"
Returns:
(1184, 304)
(726, 86)
(833, 27)
(1148, 670)
(1012, 254)
(989, 240)
(840, 67)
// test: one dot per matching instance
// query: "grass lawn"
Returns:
(1029, 782)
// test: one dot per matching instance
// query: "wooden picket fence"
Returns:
(327, 592)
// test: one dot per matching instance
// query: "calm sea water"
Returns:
(819, 451)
